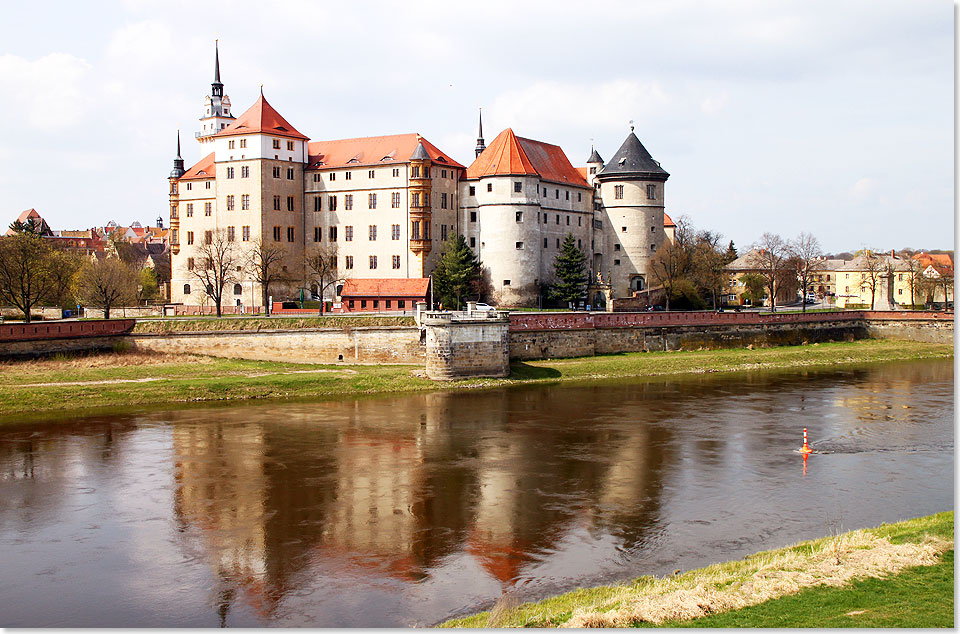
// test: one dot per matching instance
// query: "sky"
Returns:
(829, 117)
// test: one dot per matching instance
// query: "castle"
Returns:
(381, 207)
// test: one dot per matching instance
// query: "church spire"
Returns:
(481, 146)
(217, 85)
(178, 170)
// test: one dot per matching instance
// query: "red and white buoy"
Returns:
(806, 448)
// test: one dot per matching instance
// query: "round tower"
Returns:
(631, 188)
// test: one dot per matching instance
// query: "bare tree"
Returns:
(217, 261)
(915, 280)
(106, 283)
(706, 264)
(265, 263)
(32, 270)
(873, 269)
(806, 252)
(770, 255)
(322, 267)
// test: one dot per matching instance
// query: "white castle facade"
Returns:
(382, 207)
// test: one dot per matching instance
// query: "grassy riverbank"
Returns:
(211, 324)
(897, 575)
(108, 381)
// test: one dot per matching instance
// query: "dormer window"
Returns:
(622, 161)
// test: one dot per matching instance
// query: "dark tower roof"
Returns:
(217, 85)
(420, 154)
(594, 156)
(177, 170)
(633, 160)
(481, 146)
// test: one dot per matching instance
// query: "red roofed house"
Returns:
(380, 207)
(365, 295)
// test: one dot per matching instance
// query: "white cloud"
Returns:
(864, 189)
(49, 92)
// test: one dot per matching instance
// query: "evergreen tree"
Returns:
(457, 275)
(569, 272)
(731, 253)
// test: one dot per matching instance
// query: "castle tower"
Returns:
(420, 210)
(594, 165)
(216, 106)
(632, 195)
(174, 179)
(481, 146)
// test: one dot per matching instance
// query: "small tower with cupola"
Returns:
(421, 215)
(216, 106)
(174, 179)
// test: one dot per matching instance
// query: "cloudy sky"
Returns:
(833, 117)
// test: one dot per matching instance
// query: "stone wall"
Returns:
(398, 344)
(45, 338)
(460, 346)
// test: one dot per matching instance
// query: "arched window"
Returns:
(237, 289)
(186, 289)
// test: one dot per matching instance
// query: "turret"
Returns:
(594, 165)
(481, 146)
(216, 106)
(420, 210)
(174, 179)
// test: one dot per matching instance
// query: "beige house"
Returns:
(885, 284)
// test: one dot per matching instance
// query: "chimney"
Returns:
(893, 253)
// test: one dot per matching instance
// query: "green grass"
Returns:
(917, 597)
(209, 324)
(37, 387)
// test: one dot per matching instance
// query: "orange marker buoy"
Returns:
(806, 448)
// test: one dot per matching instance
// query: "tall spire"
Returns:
(217, 85)
(481, 146)
(177, 170)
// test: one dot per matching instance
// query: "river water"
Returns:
(408, 510)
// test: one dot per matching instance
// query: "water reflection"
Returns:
(400, 511)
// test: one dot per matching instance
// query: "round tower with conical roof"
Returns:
(631, 190)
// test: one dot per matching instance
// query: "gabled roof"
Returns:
(936, 259)
(632, 159)
(204, 168)
(261, 118)
(374, 150)
(374, 287)
(31, 214)
(511, 155)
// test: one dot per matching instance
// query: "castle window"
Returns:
(579, 244)
(276, 203)
(415, 230)
(189, 210)
(186, 289)
(349, 263)
(558, 243)
(290, 234)
(489, 187)
(443, 200)
(231, 234)
(276, 144)
(373, 264)
(443, 232)
(616, 247)
(243, 142)
(593, 170)
(653, 248)
(651, 192)
(372, 233)
(230, 203)
(333, 234)
(316, 178)
(245, 202)
(473, 190)
(618, 192)
(245, 171)
(208, 237)
(189, 237)
(558, 218)
(318, 204)
(237, 289)
(545, 243)
(473, 216)
(558, 195)
(348, 176)
(290, 203)
(567, 195)
(519, 245)
(568, 221)
(229, 172)
(333, 176)
(623, 229)
(396, 172)
(246, 233)
(579, 196)
(519, 216)
(371, 173)
(230, 144)
(506, 282)
(190, 263)
(415, 171)
(616, 262)
(518, 186)
(276, 171)
(395, 232)
(579, 221)
(317, 234)
(290, 146)
(276, 234)
(207, 209)
(653, 229)
(332, 203)
(415, 199)
(189, 186)
(372, 201)
(348, 233)
(289, 173)
(348, 201)
(473, 243)
(396, 261)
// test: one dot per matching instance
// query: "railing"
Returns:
(65, 330)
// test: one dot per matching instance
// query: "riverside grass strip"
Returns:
(896, 575)
(213, 324)
(85, 384)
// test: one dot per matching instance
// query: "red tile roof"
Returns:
(584, 171)
(668, 221)
(374, 150)
(261, 117)
(204, 168)
(511, 155)
(412, 287)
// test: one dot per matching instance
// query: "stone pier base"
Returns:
(467, 344)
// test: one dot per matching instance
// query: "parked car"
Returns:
(482, 306)
(655, 307)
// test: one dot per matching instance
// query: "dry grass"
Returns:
(835, 561)
(70, 363)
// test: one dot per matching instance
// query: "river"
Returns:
(401, 511)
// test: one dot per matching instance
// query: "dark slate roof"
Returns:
(632, 159)
(420, 154)
(594, 157)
